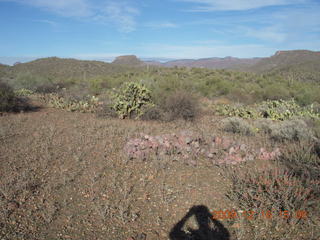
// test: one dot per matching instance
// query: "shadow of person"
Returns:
(208, 228)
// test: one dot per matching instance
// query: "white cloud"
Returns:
(98, 55)
(225, 5)
(49, 22)
(161, 25)
(120, 14)
(272, 33)
(70, 8)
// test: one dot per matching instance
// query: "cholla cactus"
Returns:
(131, 99)
(56, 101)
(23, 92)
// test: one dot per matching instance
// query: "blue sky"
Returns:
(103, 29)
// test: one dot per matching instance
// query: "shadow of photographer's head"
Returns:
(208, 228)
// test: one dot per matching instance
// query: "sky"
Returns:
(160, 29)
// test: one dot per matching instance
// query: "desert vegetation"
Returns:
(91, 150)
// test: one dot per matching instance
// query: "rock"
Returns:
(243, 147)
(193, 162)
(249, 157)
(217, 140)
(188, 140)
(196, 144)
(226, 143)
(232, 150)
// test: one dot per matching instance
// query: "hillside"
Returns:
(210, 63)
(3, 69)
(307, 71)
(2, 66)
(53, 68)
(284, 59)
(297, 62)
(215, 63)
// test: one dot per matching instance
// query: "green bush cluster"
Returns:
(290, 130)
(237, 125)
(271, 109)
(23, 92)
(132, 100)
(55, 100)
(245, 112)
(285, 109)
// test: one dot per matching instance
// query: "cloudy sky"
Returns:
(103, 29)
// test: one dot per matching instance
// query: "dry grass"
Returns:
(65, 176)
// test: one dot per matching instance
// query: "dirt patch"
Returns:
(66, 175)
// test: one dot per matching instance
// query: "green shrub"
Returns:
(29, 81)
(131, 100)
(291, 130)
(55, 100)
(47, 87)
(105, 107)
(237, 125)
(283, 110)
(106, 111)
(23, 92)
(264, 125)
(7, 98)
(302, 159)
(316, 128)
(272, 109)
(153, 113)
(276, 91)
(180, 105)
(246, 112)
(96, 85)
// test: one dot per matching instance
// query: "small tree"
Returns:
(131, 100)
(7, 97)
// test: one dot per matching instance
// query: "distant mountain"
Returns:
(128, 60)
(298, 64)
(284, 59)
(211, 63)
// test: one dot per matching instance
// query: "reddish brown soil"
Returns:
(65, 176)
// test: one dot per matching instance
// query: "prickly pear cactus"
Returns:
(131, 100)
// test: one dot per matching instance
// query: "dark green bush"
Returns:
(10, 102)
(106, 111)
(7, 98)
(153, 113)
(48, 87)
(180, 105)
